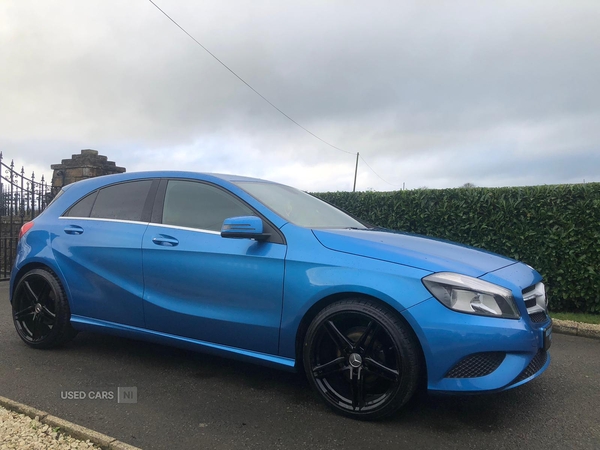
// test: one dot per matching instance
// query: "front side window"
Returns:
(197, 205)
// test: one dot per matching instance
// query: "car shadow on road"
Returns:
(283, 390)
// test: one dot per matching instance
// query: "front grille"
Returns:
(534, 366)
(476, 365)
(527, 290)
(538, 317)
(530, 303)
(536, 302)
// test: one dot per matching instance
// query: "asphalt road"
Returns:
(188, 400)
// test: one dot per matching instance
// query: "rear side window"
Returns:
(83, 207)
(123, 201)
(198, 205)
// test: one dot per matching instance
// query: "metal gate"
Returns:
(21, 199)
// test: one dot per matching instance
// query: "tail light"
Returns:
(25, 228)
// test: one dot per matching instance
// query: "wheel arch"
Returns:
(37, 265)
(328, 300)
(52, 311)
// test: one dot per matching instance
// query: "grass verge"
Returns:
(577, 317)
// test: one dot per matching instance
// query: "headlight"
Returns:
(471, 295)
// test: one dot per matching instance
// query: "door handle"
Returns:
(165, 241)
(73, 229)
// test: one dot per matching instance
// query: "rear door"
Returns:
(205, 287)
(99, 249)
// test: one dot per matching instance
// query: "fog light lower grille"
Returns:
(538, 317)
(477, 365)
(534, 366)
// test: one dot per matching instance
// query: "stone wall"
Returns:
(88, 164)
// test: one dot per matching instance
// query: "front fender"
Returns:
(309, 280)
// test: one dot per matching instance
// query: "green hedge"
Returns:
(555, 229)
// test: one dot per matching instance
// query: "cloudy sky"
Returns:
(431, 93)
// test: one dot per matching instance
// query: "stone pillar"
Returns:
(88, 164)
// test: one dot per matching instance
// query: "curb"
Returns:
(576, 328)
(77, 431)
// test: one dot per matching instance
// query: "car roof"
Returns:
(74, 191)
(96, 182)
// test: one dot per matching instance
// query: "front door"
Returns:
(205, 287)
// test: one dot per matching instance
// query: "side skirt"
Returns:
(81, 323)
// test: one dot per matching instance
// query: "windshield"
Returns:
(298, 207)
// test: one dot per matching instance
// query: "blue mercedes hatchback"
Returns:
(263, 272)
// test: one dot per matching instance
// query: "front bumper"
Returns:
(467, 353)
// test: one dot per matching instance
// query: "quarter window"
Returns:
(83, 207)
(197, 205)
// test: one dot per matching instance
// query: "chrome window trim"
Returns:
(177, 227)
(103, 219)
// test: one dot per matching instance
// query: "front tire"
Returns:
(361, 358)
(41, 311)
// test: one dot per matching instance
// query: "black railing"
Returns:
(21, 199)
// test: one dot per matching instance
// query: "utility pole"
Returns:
(355, 172)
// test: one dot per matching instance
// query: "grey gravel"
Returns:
(18, 431)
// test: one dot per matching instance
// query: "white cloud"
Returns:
(431, 94)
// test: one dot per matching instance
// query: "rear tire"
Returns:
(361, 359)
(40, 309)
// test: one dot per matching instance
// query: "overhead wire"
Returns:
(261, 95)
(379, 176)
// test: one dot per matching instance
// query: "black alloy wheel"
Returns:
(40, 310)
(362, 359)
